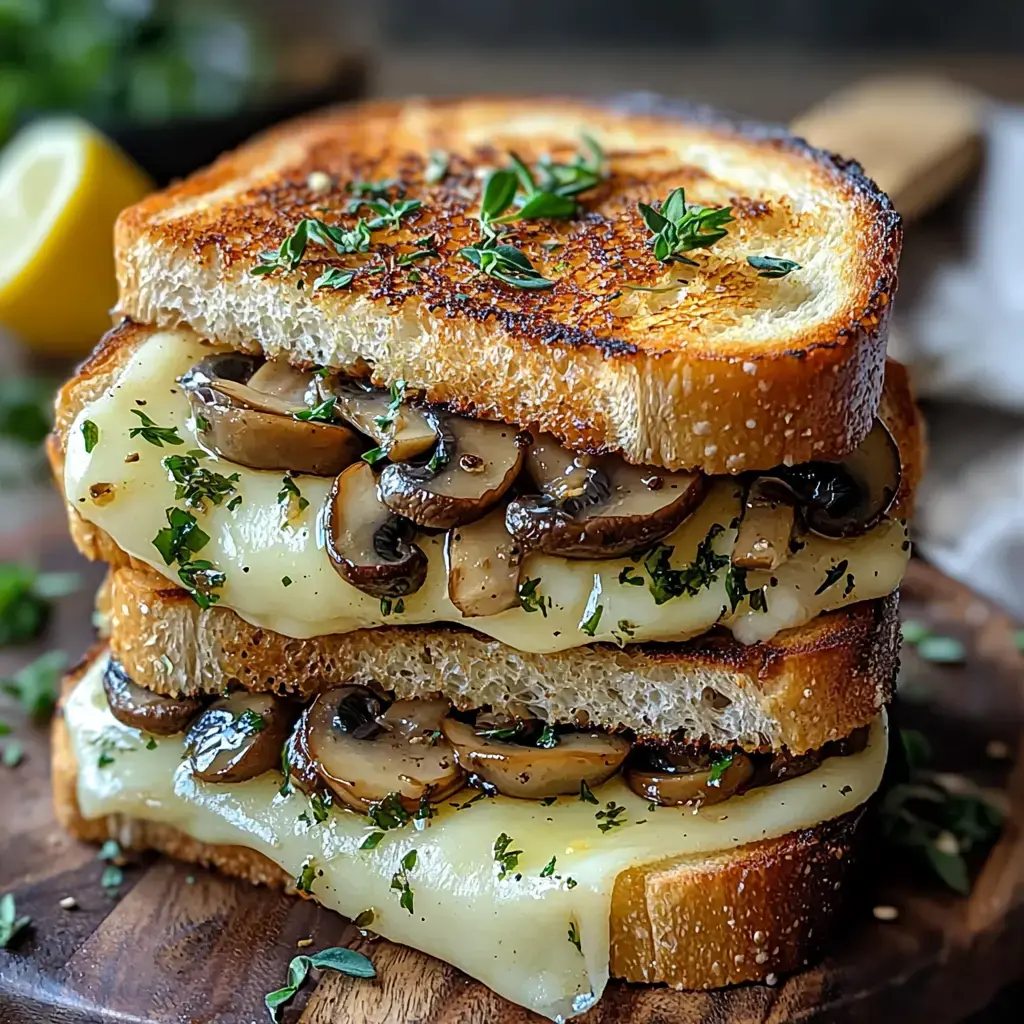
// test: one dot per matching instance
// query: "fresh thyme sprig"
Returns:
(680, 227)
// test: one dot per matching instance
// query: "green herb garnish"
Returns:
(680, 227)
(25, 600)
(667, 583)
(307, 876)
(531, 599)
(12, 927)
(505, 263)
(155, 435)
(772, 266)
(437, 167)
(322, 413)
(549, 869)
(334, 277)
(611, 816)
(400, 881)
(291, 497)
(719, 768)
(344, 961)
(574, 935)
(585, 793)
(390, 214)
(389, 813)
(589, 626)
(181, 537)
(196, 484)
(736, 590)
(833, 576)
(90, 435)
(506, 859)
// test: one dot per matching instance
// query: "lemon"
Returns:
(62, 185)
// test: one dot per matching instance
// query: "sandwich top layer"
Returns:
(514, 892)
(266, 543)
(735, 328)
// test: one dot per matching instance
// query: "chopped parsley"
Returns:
(387, 606)
(290, 497)
(234, 502)
(344, 961)
(667, 583)
(833, 576)
(12, 926)
(322, 413)
(506, 859)
(548, 738)
(90, 435)
(772, 266)
(250, 722)
(390, 214)
(585, 793)
(626, 576)
(549, 869)
(400, 881)
(531, 599)
(181, 537)
(680, 227)
(736, 590)
(155, 435)
(386, 421)
(574, 935)
(719, 768)
(196, 484)
(389, 813)
(589, 626)
(611, 815)
(320, 805)
(307, 876)
(374, 455)
(286, 581)
(427, 250)
(372, 841)
(364, 918)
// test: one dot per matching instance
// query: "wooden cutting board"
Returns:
(184, 945)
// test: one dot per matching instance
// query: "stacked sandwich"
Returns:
(505, 504)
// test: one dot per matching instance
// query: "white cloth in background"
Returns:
(964, 342)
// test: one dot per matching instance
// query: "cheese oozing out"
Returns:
(510, 933)
(279, 576)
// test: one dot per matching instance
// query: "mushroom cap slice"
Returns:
(483, 566)
(140, 708)
(536, 772)
(402, 434)
(556, 471)
(369, 546)
(407, 755)
(257, 428)
(762, 539)
(621, 509)
(673, 785)
(847, 498)
(473, 465)
(239, 737)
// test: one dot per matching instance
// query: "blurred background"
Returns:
(927, 94)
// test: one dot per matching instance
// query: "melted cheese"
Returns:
(511, 934)
(258, 547)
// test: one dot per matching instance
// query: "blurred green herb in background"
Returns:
(25, 600)
(137, 60)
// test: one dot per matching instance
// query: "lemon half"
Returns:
(62, 185)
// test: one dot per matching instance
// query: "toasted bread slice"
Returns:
(767, 907)
(802, 689)
(709, 366)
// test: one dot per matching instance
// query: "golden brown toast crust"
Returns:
(807, 686)
(731, 372)
(764, 908)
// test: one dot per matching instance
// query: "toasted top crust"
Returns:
(729, 371)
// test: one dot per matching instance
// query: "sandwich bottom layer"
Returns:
(541, 901)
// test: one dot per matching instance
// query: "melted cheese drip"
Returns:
(258, 547)
(511, 934)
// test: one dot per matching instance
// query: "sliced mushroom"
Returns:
(673, 780)
(558, 472)
(402, 434)
(473, 465)
(370, 546)
(534, 772)
(845, 499)
(620, 509)
(243, 423)
(238, 737)
(762, 540)
(365, 754)
(483, 566)
(142, 709)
